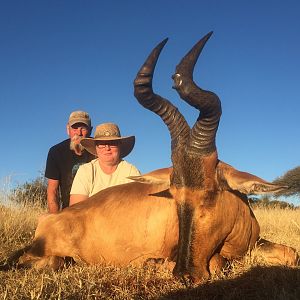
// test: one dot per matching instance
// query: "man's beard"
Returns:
(75, 145)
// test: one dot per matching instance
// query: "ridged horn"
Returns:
(143, 92)
(203, 133)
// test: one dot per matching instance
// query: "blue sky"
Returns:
(60, 56)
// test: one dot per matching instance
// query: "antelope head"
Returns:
(194, 154)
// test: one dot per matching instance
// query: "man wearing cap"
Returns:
(64, 160)
(109, 168)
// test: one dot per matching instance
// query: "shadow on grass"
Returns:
(258, 283)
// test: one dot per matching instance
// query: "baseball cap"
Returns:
(79, 117)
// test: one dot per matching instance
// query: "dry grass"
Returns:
(247, 279)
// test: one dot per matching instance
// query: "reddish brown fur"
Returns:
(130, 223)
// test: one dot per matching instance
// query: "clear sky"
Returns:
(60, 56)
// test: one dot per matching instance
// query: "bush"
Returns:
(34, 192)
(265, 201)
(291, 179)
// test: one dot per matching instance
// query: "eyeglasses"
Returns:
(110, 146)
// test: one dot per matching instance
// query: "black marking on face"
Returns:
(187, 171)
(185, 216)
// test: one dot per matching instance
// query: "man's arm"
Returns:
(52, 196)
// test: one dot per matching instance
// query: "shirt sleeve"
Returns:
(52, 170)
(134, 171)
(82, 182)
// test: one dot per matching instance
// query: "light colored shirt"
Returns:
(90, 179)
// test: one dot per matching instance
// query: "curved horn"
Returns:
(202, 138)
(166, 110)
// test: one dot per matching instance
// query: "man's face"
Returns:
(76, 133)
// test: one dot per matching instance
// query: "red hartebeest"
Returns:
(195, 212)
(214, 217)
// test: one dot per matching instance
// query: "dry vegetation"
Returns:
(246, 279)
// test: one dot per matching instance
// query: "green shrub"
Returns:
(291, 179)
(266, 201)
(34, 192)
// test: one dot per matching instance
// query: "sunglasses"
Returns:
(110, 145)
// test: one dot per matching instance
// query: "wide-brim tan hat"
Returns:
(109, 132)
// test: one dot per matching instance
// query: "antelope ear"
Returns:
(244, 182)
(159, 177)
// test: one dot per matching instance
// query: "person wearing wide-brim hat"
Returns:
(109, 168)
